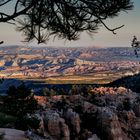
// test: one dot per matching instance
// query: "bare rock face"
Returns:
(94, 137)
(89, 108)
(109, 90)
(55, 125)
(136, 110)
(75, 98)
(136, 126)
(110, 126)
(129, 116)
(107, 114)
(73, 120)
(42, 101)
(12, 134)
(133, 122)
(88, 135)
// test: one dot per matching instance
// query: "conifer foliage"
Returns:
(66, 19)
(19, 101)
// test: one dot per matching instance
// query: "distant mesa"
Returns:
(85, 55)
(101, 65)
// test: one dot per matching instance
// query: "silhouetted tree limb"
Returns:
(112, 30)
(23, 9)
(1, 42)
(38, 19)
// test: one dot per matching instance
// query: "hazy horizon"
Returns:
(47, 46)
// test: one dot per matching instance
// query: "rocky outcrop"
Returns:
(107, 116)
(55, 125)
(12, 134)
(73, 120)
(89, 108)
(94, 137)
(79, 117)
(109, 125)
(136, 110)
(136, 127)
(110, 90)
(128, 116)
(88, 135)
(132, 123)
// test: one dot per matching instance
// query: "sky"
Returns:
(103, 38)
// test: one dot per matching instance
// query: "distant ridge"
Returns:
(10, 46)
(42, 62)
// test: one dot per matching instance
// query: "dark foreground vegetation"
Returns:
(78, 112)
(130, 82)
(39, 19)
(15, 106)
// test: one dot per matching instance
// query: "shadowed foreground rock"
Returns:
(110, 126)
(104, 114)
(73, 120)
(56, 125)
(12, 134)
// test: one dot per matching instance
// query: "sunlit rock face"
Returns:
(41, 100)
(110, 90)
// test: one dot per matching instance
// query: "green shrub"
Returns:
(25, 123)
(6, 119)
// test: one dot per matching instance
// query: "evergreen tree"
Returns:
(66, 19)
(19, 101)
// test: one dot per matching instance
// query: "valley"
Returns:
(67, 65)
